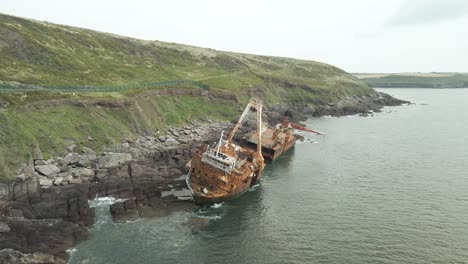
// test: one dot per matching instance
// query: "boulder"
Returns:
(58, 180)
(40, 162)
(171, 142)
(82, 172)
(21, 177)
(87, 160)
(111, 160)
(71, 158)
(46, 183)
(47, 170)
(88, 151)
(75, 181)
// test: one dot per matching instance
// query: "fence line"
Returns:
(86, 88)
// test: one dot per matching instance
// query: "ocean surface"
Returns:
(388, 188)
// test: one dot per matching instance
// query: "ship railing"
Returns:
(217, 162)
(241, 163)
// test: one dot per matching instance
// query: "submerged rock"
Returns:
(196, 222)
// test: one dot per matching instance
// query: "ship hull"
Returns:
(270, 154)
(204, 200)
(276, 154)
(211, 185)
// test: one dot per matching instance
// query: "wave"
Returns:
(104, 201)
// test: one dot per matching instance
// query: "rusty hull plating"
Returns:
(274, 141)
(226, 170)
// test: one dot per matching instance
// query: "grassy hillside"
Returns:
(416, 80)
(126, 100)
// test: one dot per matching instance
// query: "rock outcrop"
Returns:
(49, 211)
(10, 256)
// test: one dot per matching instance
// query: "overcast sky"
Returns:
(358, 36)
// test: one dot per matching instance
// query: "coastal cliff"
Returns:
(85, 114)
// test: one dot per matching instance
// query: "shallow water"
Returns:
(392, 188)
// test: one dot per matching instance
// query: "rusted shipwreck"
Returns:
(226, 170)
(275, 141)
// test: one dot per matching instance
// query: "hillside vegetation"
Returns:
(416, 80)
(85, 84)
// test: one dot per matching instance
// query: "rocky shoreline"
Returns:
(46, 210)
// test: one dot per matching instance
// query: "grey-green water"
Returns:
(392, 188)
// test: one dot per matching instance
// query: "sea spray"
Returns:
(101, 206)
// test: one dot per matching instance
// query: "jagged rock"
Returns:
(15, 213)
(87, 160)
(171, 142)
(58, 180)
(142, 170)
(10, 256)
(75, 181)
(184, 141)
(88, 151)
(101, 174)
(50, 236)
(82, 172)
(71, 158)
(48, 170)
(4, 228)
(64, 174)
(45, 183)
(40, 162)
(113, 159)
(124, 211)
(21, 177)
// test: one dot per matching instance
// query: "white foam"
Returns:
(104, 201)
(217, 205)
(211, 217)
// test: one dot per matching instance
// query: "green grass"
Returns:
(53, 127)
(408, 81)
